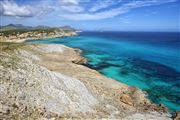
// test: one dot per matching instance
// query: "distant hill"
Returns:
(14, 26)
(67, 27)
(20, 26)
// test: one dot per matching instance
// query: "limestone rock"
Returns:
(148, 116)
(126, 99)
(176, 116)
(43, 82)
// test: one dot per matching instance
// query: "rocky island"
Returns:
(39, 81)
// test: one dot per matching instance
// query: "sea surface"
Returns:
(147, 60)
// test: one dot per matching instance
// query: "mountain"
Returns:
(14, 26)
(67, 27)
(20, 26)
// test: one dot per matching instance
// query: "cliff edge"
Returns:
(40, 81)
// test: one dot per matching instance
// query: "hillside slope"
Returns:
(48, 81)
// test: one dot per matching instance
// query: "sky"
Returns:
(94, 15)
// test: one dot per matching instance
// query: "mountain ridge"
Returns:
(21, 26)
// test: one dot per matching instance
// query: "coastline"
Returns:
(19, 36)
(116, 100)
(27, 39)
(89, 60)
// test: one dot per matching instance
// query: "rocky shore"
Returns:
(43, 82)
(21, 35)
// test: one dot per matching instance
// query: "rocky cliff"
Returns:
(20, 35)
(49, 82)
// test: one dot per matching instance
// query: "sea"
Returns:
(147, 60)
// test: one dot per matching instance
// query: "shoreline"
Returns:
(22, 35)
(146, 94)
(67, 61)
(27, 39)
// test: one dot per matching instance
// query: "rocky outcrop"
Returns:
(176, 116)
(48, 82)
(126, 99)
(28, 34)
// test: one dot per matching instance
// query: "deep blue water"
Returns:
(147, 60)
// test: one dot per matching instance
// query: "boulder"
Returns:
(126, 99)
(176, 116)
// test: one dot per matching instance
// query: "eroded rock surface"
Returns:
(176, 116)
(48, 82)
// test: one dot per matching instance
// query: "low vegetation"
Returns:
(21, 34)
(21, 31)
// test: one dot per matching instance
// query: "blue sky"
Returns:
(107, 15)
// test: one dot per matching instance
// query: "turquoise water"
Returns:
(149, 61)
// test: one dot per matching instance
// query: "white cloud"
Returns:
(100, 4)
(76, 9)
(69, 2)
(72, 8)
(124, 8)
(95, 16)
(72, 2)
(11, 8)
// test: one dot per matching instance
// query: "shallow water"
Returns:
(149, 61)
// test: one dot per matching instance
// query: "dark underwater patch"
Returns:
(157, 70)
